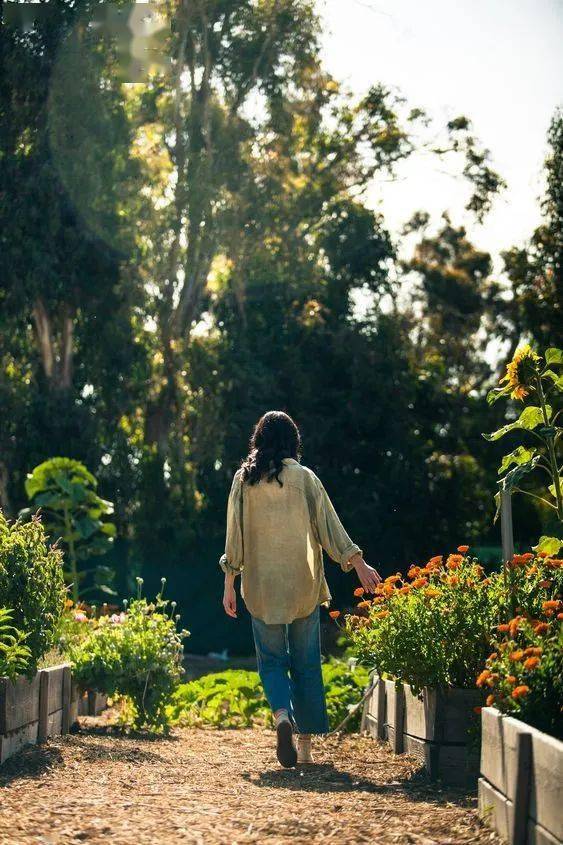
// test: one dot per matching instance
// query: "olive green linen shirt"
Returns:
(275, 538)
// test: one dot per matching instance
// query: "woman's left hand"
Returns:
(230, 597)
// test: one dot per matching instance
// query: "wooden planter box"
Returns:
(89, 703)
(31, 710)
(432, 726)
(521, 783)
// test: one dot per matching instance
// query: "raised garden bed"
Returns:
(32, 710)
(433, 726)
(521, 783)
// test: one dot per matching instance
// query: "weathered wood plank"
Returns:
(440, 715)
(521, 800)
(493, 766)
(54, 724)
(537, 835)
(12, 742)
(19, 703)
(398, 720)
(44, 683)
(495, 810)
(55, 688)
(66, 699)
(546, 781)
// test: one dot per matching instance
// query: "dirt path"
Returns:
(212, 787)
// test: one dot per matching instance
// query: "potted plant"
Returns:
(424, 635)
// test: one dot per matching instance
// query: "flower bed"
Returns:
(431, 725)
(430, 635)
(32, 710)
(520, 788)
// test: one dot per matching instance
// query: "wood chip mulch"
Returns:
(222, 788)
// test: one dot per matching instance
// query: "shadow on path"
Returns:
(326, 778)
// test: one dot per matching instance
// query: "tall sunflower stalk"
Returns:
(537, 382)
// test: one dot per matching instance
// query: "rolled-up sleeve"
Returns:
(332, 535)
(233, 559)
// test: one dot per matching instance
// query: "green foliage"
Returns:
(235, 699)
(15, 655)
(31, 584)
(136, 655)
(524, 674)
(74, 516)
(434, 630)
(529, 378)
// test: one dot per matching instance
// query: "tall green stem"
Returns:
(72, 556)
(551, 451)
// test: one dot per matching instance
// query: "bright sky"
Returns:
(499, 62)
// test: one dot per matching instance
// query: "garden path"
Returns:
(213, 787)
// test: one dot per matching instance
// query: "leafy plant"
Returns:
(529, 377)
(74, 515)
(235, 698)
(31, 584)
(136, 654)
(524, 674)
(429, 628)
(15, 655)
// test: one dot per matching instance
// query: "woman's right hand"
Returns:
(369, 577)
(230, 597)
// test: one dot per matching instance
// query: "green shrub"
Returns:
(137, 655)
(31, 584)
(76, 517)
(235, 698)
(429, 628)
(524, 675)
(15, 655)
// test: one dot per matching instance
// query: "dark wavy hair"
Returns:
(275, 437)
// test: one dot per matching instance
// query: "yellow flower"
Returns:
(520, 371)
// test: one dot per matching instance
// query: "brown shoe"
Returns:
(286, 751)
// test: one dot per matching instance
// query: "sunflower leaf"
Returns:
(512, 479)
(521, 455)
(548, 545)
(553, 355)
(529, 419)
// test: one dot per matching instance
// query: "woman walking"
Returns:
(279, 518)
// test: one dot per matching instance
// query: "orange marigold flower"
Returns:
(521, 691)
(545, 584)
(483, 677)
(517, 560)
(392, 579)
(405, 589)
(378, 599)
(436, 560)
(485, 582)
(388, 590)
(420, 582)
(516, 655)
(554, 563)
(552, 604)
(560, 615)
(432, 592)
(532, 570)
(490, 700)
(453, 580)
(527, 557)
(531, 663)
(363, 604)
(541, 627)
(503, 628)
(454, 561)
(511, 679)
(513, 626)
(413, 572)
(359, 591)
(463, 549)
(382, 614)
(479, 571)
(334, 614)
(492, 656)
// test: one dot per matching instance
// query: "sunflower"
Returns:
(521, 371)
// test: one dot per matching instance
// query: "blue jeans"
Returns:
(289, 663)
